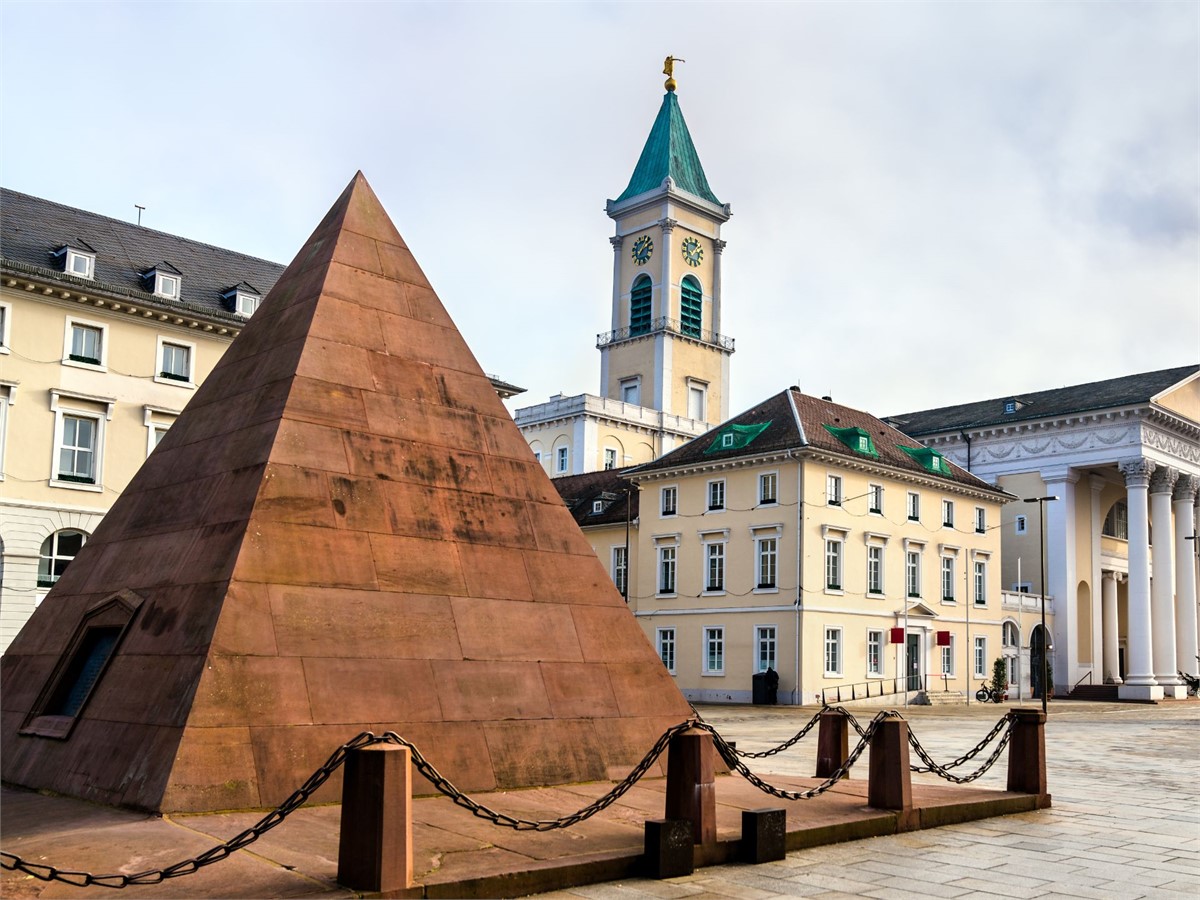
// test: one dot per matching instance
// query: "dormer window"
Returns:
(857, 439)
(78, 259)
(1013, 405)
(930, 460)
(164, 280)
(242, 299)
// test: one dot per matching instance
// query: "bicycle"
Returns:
(985, 694)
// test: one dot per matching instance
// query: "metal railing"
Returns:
(671, 326)
(876, 687)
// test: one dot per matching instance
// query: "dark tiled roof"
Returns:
(31, 229)
(1081, 398)
(815, 413)
(580, 491)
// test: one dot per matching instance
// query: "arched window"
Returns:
(1116, 523)
(691, 307)
(639, 306)
(1010, 637)
(57, 552)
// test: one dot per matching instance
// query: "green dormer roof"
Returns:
(735, 437)
(930, 460)
(856, 438)
(669, 151)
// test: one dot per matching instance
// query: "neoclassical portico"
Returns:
(1122, 458)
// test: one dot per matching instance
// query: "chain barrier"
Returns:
(730, 755)
(1009, 720)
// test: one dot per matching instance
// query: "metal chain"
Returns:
(316, 780)
(942, 771)
(729, 755)
(790, 742)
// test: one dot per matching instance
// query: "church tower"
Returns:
(664, 370)
(665, 350)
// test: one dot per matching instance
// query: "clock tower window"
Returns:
(639, 306)
(691, 307)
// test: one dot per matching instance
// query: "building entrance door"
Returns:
(913, 660)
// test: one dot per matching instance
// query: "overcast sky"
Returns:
(933, 202)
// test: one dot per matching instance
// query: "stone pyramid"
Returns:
(343, 531)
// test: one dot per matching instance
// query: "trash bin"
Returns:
(760, 688)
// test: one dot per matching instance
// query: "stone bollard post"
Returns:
(890, 784)
(375, 845)
(833, 743)
(1027, 753)
(691, 793)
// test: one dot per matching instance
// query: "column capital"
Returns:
(667, 225)
(1097, 483)
(1059, 475)
(1137, 471)
(617, 241)
(719, 245)
(1162, 480)
(1185, 489)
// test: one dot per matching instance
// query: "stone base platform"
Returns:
(455, 854)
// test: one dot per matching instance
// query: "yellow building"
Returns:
(805, 536)
(106, 329)
(664, 363)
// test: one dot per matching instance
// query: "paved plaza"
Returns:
(1125, 822)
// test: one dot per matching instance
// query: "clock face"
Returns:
(692, 251)
(642, 248)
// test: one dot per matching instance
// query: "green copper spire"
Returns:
(669, 151)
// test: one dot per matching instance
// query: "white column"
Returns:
(1162, 586)
(1097, 484)
(1111, 673)
(1060, 574)
(1139, 680)
(617, 242)
(1184, 500)
(718, 252)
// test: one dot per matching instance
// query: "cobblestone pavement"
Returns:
(1125, 824)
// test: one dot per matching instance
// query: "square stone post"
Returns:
(833, 743)
(691, 793)
(890, 784)
(1027, 752)
(375, 845)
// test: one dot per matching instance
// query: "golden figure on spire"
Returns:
(669, 70)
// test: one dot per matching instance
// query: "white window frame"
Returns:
(671, 492)
(768, 489)
(1021, 524)
(712, 635)
(1005, 627)
(875, 645)
(89, 261)
(875, 585)
(912, 571)
(101, 419)
(5, 326)
(714, 554)
(668, 561)
(762, 554)
(68, 344)
(979, 655)
(716, 495)
(562, 460)
(833, 490)
(948, 579)
(947, 659)
(162, 279)
(835, 557)
(246, 304)
(665, 641)
(981, 520)
(634, 386)
(160, 363)
(610, 458)
(947, 513)
(875, 499)
(914, 506)
(766, 636)
(8, 396)
(155, 427)
(620, 568)
(979, 581)
(833, 642)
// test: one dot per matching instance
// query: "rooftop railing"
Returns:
(670, 326)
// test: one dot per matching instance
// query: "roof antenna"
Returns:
(139, 209)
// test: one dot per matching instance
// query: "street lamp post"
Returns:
(1040, 501)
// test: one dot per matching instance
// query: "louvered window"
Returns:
(691, 307)
(639, 307)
